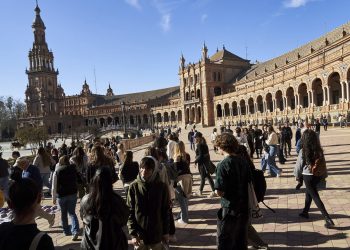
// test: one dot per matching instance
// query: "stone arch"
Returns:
(251, 105)
(218, 110)
(317, 92)
(269, 104)
(109, 120)
(159, 117)
(242, 106)
(102, 122)
(179, 116)
(303, 95)
(217, 91)
(290, 98)
(172, 116)
(334, 85)
(279, 100)
(227, 109)
(187, 115)
(166, 117)
(192, 114)
(234, 108)
(260, 103)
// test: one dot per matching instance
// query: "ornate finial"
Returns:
(217, 49)
(223, 46)
(37, 9)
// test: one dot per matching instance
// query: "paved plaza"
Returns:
(282, 230)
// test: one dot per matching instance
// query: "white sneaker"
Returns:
(180, 221)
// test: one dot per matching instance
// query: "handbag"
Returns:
(210, 167)
(254, 208)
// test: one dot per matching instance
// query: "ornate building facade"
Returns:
(307, 83)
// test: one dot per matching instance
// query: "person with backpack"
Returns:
(190, 137)
(65, 190)
(104, 214)
(311, 166)
(259, 184)
(231, 184)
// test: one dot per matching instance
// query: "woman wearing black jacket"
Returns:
(203, 160)
(128, 171)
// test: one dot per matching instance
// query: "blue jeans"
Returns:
(67, 205)
(271, 162)
(46, 180)
(4, 185)
(183, 202)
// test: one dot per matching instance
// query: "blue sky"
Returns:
(135, 45)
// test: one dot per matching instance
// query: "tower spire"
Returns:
(204, 52)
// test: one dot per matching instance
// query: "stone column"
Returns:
(324, 96)
(347, 91)
(343, 91)
(239, 109)
(328, 97)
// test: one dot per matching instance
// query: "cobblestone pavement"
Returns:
(282, 230)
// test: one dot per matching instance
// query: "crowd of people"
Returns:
(152, 186)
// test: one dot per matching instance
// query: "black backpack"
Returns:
(260, 186)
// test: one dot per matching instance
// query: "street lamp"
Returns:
(124, 120)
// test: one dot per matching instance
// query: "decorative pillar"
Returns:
(324, 96)
(347, 84)
(342, 91)
(328, 92)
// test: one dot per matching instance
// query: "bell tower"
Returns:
(44, 95)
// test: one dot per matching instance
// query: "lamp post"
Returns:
(124, 120)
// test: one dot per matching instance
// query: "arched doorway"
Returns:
(227, 109)
(260, 103)
(179, 116)
(145, 119)
(192, 115)
(234, 109)
(218, 110)
(199, 115)
(303, 95)
(279, 100)
(290, 98)
(172, 116)
(109, 120)
(187, 116)
(166, 117)
(269, 104)
(335, 93)
(251, 106)
(102, 122)
(317, 92)
(243, 107)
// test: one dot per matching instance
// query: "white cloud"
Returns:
(165, 23)
(134, 3)
(295, 3)
(204, 18)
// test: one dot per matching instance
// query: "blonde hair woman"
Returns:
(184, 180)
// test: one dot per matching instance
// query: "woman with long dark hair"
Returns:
(99, 159)
(129, 170)
(203, 160)
(80, 160)
(311, 151)
(104, 213)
